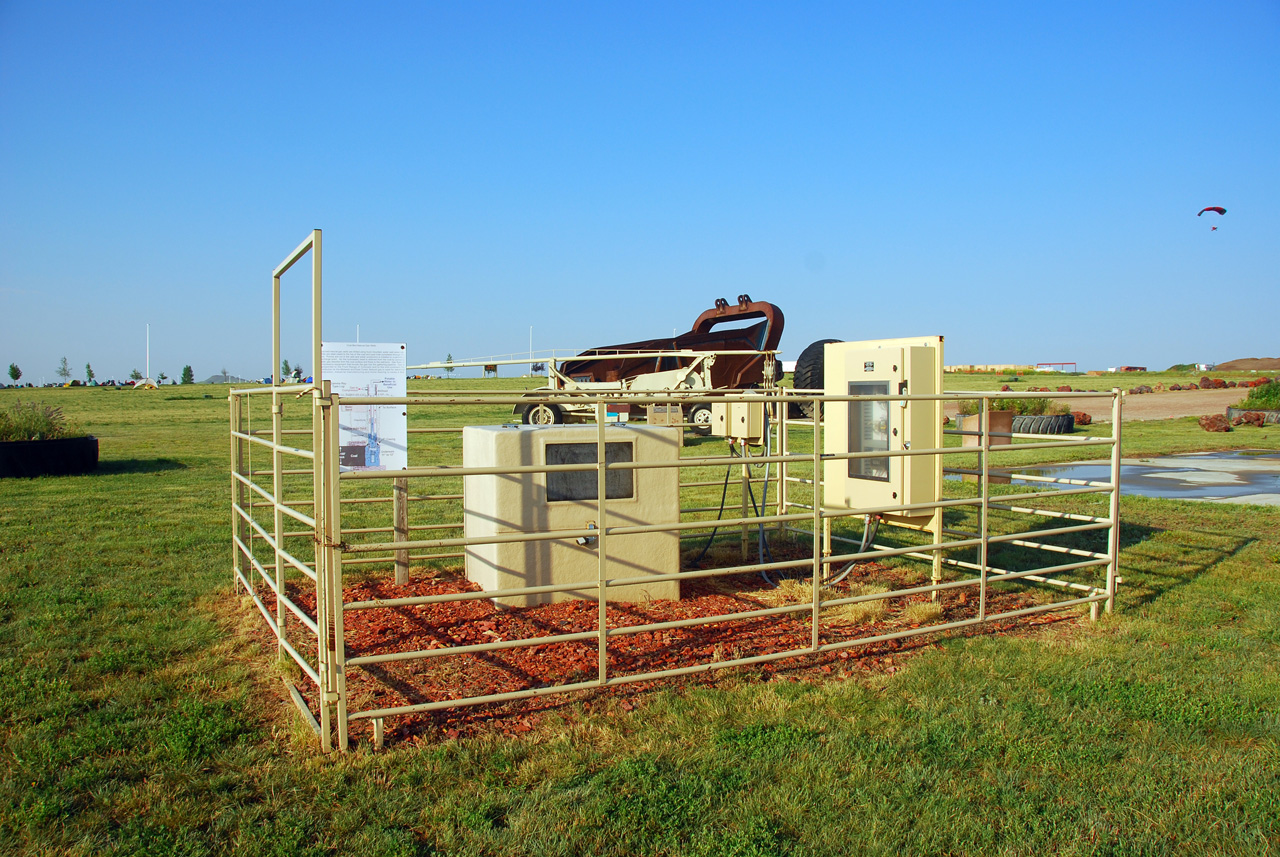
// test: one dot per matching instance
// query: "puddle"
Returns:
(1235, 476)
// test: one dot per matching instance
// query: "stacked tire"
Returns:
(1044, 424)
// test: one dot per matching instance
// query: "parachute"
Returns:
(1216, 208)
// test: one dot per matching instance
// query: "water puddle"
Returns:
(1235, 476)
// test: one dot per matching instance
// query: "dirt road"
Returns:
(1158, 406)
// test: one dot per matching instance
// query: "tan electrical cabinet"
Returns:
(886, 367)
(504, 503)
(741, 420)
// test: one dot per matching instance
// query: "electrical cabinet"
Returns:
(887, 367)
(740, 420)
(498, 504)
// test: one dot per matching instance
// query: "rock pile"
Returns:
(1253, 418)
(1215, 422)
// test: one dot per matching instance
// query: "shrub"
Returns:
(1264, 398)
(1020, 407)
(35, 421)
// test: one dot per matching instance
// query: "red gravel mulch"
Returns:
(477, 621)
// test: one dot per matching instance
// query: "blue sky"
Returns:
(1020, 178)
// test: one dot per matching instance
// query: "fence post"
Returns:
(400, 527)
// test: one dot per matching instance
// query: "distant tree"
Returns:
(135, 375)
(14, 372)
(224, 374)
(161, 377)
(448, 369)
(297, 371)
(64, 371)
(285, 371)
(88, 373)
(188, 376)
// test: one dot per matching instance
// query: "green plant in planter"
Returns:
(1264, 398)
(1020, 407)
(36, 421)
(1034, 407)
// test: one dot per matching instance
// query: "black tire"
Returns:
(700, 417)
(542, 414)
(1045, 424)
(809, 374)
(1060, 424)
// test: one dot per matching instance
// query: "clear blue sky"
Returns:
(1022, 178)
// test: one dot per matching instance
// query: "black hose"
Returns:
(724, 493)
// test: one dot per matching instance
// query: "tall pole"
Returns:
(148, 352)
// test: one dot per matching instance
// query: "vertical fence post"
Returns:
(400, 527)
(1113, 540)
(277, 491)
(746, 489)
(782, 465)
(333, 550)
(602, 525)
(321, 420)
(983, 549)
(237, 490)
(821, 540)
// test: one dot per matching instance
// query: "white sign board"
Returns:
(370, 437)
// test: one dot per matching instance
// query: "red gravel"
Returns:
(414, 628)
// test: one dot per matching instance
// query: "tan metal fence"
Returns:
(316, 548)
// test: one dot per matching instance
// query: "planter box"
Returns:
(48, 457)
(1272, 417)
(1000, 421)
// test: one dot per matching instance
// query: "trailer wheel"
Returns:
(700, 416)
(809, 374)
(542, 414)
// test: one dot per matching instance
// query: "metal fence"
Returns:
(332, 559)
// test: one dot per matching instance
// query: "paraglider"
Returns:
(1216, 208)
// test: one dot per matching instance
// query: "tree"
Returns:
(448, 369)
(135, 375)
(88, 372)
(188, 376)
(14, 372)
(285, 371)
(64, 371)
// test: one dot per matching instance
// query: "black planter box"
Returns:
(48, 457)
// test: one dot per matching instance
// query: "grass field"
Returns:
(137, 716)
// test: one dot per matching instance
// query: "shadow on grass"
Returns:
(1169, 559)
(138, 465)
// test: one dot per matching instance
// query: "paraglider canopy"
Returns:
(1216, 208)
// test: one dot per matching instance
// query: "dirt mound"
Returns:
(1246, 363)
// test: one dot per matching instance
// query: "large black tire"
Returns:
(542, 414)
(1044, 424)
(809, 374)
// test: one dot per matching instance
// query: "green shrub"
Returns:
(36, 421)
(1034, 407)
(1021, 407)
(1264, 398)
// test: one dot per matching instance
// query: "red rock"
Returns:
(1064, 389)
(1253, 418)
(1006, 389)
(1082, 419)
(1215, 422)
(1191, 387)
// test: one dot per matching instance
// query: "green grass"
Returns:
(137, 717)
